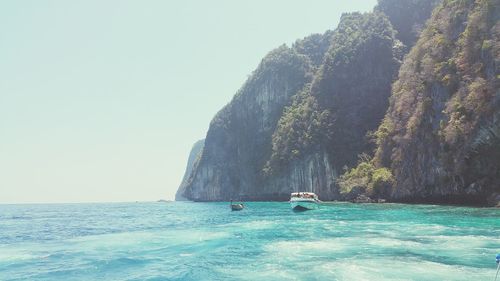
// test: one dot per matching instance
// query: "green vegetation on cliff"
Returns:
(439, 137)
(367, 179)
(347, 98)
(425, 121)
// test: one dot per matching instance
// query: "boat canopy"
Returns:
(305, 195)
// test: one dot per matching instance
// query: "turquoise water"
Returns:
(266, 241)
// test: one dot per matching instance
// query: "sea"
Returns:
(265, 241)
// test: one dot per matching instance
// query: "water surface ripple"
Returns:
(265, 241)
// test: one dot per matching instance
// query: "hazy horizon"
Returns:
(102, 101)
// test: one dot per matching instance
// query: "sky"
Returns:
(101, 101)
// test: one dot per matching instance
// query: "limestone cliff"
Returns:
(324, 129)
(239, 138)
(440, 135)
(307, 112)
(193, 156)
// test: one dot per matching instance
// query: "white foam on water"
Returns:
(372, 258)
(374, 269)
(359, 268)
(468, 241)
(19, 253)
(260, 271)
(292, 249)
(336, 245)
(250, 225)
(457, 244)
(138, 242)
(14, 255)
(320, 247)
(385, 242)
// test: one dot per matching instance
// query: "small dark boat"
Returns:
(236, 206)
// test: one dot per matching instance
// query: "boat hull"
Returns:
(303, 205)
(237, 207)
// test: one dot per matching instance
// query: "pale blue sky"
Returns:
(102, 100)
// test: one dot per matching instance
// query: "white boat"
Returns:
(236, 206)
(301, 201)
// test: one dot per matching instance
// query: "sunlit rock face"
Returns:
(239, 138)
(244, 139)
(426, 110)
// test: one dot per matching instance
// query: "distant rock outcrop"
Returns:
(193, 155)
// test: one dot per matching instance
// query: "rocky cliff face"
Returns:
(308, 111)
(324, 129)
(313, 173)
(193, 156)
(440, 135)
(239, 138)
(244, 156)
